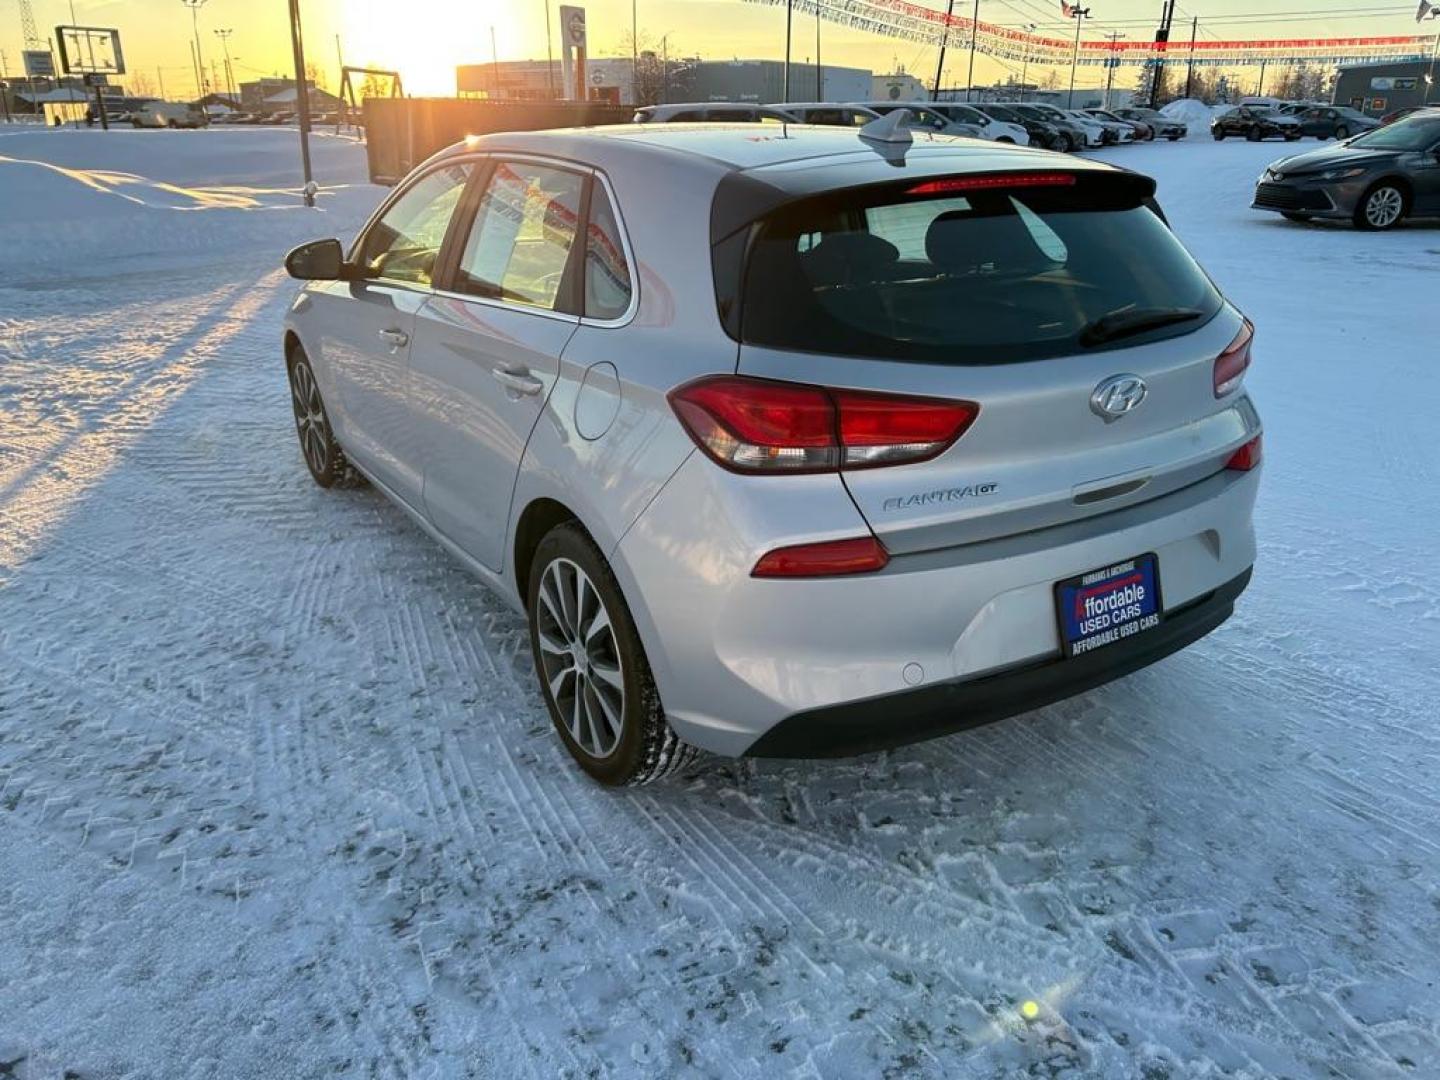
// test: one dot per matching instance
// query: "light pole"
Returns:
(195, 6)
(789, 15)
(1079, 14)
(1030, 28)
(224, 36)
(302, 99)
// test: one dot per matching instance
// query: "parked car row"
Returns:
(1022, 123)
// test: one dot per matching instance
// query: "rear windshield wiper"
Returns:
(1133, 320)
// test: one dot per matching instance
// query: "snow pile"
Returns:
(1195, 115)
(160, 192)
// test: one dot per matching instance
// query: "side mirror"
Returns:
(319, 260)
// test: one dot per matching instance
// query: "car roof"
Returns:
(774, 148)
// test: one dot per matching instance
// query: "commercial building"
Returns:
(666, 79)
(269, 95)
(1378, 88)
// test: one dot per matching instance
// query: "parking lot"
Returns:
(278, 798)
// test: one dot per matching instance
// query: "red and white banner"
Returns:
(913, 22)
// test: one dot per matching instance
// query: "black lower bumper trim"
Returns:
(891, 720)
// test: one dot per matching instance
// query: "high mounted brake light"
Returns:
(992, 180)
(754, 425)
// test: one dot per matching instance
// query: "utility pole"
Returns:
(302, 99)
(1259, 90)
(1079, 14)
(160, 77)
(4, 87)
(1190, 73)
(974, 28)
(224, 36)
(1162, 42)
(1110, 63)
(944, 40)
(789, 13)
(195, 6)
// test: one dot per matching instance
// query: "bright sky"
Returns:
(425, 39)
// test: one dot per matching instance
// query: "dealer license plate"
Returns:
(1109, 605)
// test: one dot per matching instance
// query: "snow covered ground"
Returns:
(277, 798)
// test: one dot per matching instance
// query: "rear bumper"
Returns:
(928, 712)
(735, 656)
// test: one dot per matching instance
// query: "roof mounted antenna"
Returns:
(893, 127)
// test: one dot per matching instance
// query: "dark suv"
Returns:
(1255, 122)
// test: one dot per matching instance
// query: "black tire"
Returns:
(646, 748)
(1342, 132)
(323, 456)
(1253, 135)
(1362, 216)
(1067, 142)
(1219, 134)
(1173, 138)
(1291, 215)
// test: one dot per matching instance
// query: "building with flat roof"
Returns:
(660, 80)
(1393, 84)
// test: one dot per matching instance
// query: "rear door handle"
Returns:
(397, 338)
(518, 382)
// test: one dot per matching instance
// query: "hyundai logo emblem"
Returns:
(1117, 395)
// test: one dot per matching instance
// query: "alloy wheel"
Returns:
(1383, 207)
(580, 658)
(309, 417)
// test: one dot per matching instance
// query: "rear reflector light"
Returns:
(1247, 457)
(764, 426)
(992, 180)
(1230, 365)
(858, 556)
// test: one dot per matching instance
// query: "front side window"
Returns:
(405, 243)
(608, 287)
(519, 245)
(969, 276)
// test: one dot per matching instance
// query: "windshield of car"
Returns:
(1001, 112)
(968, 276)
(1411, 133)
(966, 115)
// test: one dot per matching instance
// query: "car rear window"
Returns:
(969, 276)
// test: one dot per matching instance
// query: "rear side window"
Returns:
(519, 246)
(981, 276)
(607, 275)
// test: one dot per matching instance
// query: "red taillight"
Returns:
(1230, 365)
(1247, 457)
(990, 181)
(857, 556)
(761, 425)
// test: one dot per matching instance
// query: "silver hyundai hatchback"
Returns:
(790, 441)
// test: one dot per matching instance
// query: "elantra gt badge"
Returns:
(944, 495)
(1117, 395)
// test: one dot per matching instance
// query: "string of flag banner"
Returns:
(914, 22)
